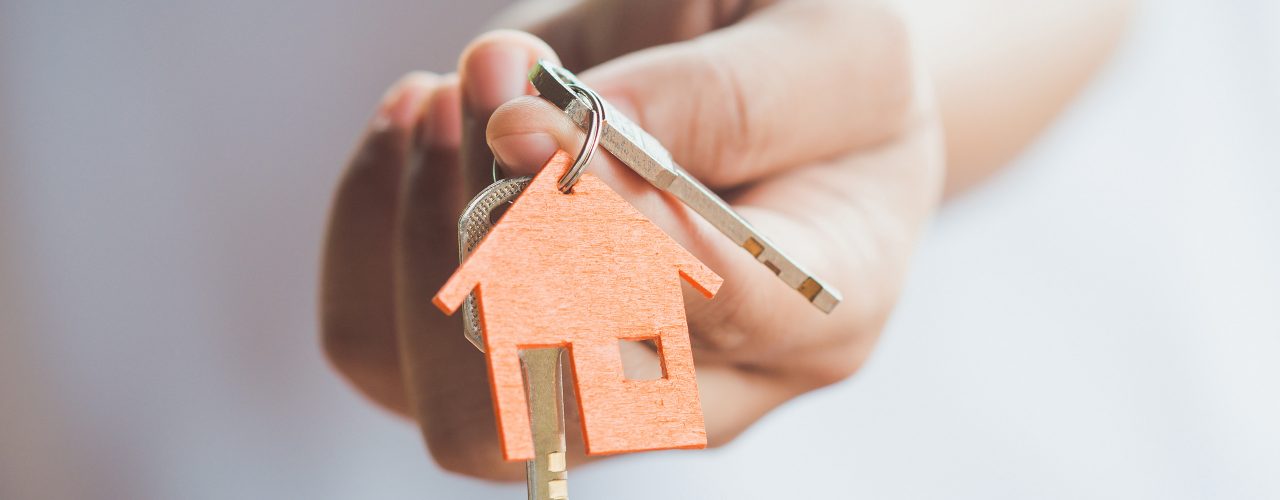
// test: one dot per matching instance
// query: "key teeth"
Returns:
(826, 300)
(810, 288)
(556, 461)
(558, 489)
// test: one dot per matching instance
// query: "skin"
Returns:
(842, 168)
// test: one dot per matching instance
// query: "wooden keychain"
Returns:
(572, 266)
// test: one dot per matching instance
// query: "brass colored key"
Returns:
(642, 152)
(544, 385)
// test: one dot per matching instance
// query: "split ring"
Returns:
(588, 151)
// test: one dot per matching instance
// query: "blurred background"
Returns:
(1100, 321)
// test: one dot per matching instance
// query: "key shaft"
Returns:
(544, 384)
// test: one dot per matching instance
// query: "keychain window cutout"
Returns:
(584, 270)
(641, 359)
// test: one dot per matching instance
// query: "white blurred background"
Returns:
(1100, 321)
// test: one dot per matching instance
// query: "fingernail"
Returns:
(402, 103)
(495, 73)
(524, 154)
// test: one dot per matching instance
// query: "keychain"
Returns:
(570, 270)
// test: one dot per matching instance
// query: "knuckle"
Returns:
(378, 388)
(342, 347)
(827, 366)
(727, 12)
(371, 370)
(353, 336)
(463, 463)
(722, 326)
(454, 452)
(346, 349)
(834, 372)
(719, 340)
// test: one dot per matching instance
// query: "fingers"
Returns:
(493, 69)
(445, 374)
(793, 83)
(357, 312)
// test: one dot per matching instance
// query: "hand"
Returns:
(808, 116)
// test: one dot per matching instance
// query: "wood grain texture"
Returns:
(583, 270)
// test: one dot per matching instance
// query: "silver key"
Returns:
(476, 221)
(543, 378)
(642, 152)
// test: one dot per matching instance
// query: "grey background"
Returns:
(1101, 321)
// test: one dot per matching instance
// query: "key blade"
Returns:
(473, 225)
(642, 152)
(546, 474)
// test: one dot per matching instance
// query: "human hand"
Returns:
(808, 116)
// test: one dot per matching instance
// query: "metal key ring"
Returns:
(588, 151)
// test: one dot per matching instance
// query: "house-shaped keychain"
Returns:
(585, 270)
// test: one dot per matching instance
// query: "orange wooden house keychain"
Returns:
(585, 270)
(573, 267)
